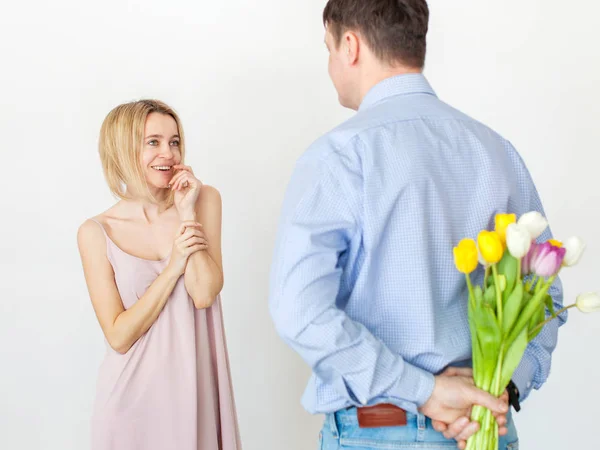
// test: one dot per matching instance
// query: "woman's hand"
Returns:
(187, 189)
(189, 240)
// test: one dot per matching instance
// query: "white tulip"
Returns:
(575, 247)
(534, 222)
(480, 259)
(589, 302)
(518, 240)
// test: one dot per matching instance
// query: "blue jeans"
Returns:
(341, 431)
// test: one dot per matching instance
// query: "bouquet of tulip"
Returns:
(513, 305)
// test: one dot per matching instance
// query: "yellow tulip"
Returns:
(465, 256)
(555, 243)
(502, 223)
(490, 246)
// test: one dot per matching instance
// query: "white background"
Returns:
(249, 80)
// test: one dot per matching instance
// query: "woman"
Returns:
(153, 268)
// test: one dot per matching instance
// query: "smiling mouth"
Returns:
(162, 168)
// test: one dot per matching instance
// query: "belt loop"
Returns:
(421, 425)
(333, 425)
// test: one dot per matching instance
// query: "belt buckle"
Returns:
(384, 415)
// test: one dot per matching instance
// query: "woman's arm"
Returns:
(204, 271)
(121, 327)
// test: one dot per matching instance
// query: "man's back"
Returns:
(390, 192)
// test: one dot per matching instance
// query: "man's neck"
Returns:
(381, 74)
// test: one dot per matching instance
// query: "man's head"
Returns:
(370, 40)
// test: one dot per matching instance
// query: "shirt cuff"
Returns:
(524, 375)
(414, 388)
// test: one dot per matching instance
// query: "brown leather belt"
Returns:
(383, 415)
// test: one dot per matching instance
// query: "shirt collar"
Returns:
(412, 83)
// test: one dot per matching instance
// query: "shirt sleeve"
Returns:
(316, 227)
(534, 369)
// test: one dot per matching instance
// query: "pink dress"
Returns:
(172, 389)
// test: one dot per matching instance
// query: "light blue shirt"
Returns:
(363, 283)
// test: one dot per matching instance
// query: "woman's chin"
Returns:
(163, 184)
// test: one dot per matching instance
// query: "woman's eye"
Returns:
(153, 142)
(175, 143)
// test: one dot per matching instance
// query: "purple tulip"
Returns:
(526, 260)
(545, 260)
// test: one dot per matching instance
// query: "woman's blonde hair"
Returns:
(120, 145)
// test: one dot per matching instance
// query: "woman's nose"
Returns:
(166, 151)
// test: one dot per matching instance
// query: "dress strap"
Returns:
(101, 226)
(107, 237)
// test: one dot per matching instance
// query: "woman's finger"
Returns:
(193, 232)
(193, 241)
(195, 248)
(183, 167)
(185, 181)
(176, 180)
(178, 184)
(188, 224)
(189, 233)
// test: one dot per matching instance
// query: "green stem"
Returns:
(498, 294)
(498, 374)
(487, 429)
(550, 319)
(477, 415)
(472, 442)
(518, 271)
(485, 277)
(470, 286)
(529, 310)
(539, 285)
(494, 445)
(531, 282)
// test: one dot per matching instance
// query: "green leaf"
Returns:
(550, 304)
(489, 281)
(512, 308)
(489, 297)
(513, 359)
(477, 356)
(508, 267)
(502, 282)
(528, 310)
(537, 319)
(478, 296)
(488, 334)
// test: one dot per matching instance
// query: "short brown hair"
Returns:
(120, 145)
(395, 30)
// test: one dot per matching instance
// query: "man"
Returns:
(363, 284)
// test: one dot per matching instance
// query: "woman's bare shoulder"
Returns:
(209, 196)
(90, 231)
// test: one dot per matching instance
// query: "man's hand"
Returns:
(450, 405)
(463, 428)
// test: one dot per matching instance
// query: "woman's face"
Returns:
(161, 150)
